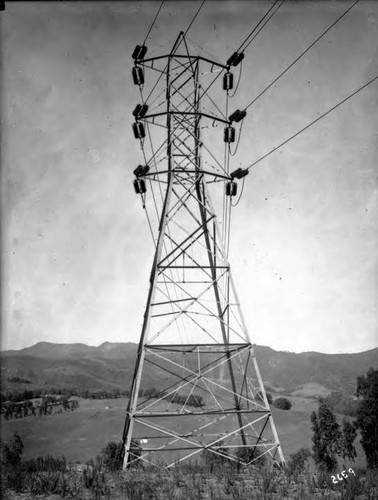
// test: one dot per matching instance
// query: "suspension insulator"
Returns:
(141, 170)
(229, 134)
(143, 110)
(138, 130)
(138, 76)
(235, 59)
(139, 186)
(137, 110)
(140, 110)
(139, 52)
(239, 173)
(237, 115)
(231, 188)
(228, 81)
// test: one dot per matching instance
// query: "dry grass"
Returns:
(193, 481)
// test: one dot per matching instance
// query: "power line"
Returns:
(194, 18)
(313, 122)
(257, 25)
(153, 22)
(302, 54)
(266, 22)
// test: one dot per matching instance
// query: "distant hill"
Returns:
(111, 365)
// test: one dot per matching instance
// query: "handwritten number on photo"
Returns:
(344, 475)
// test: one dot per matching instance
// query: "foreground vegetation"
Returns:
(327, 471)
(209, 478)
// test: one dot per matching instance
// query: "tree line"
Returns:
(46, 406)
(26, 394)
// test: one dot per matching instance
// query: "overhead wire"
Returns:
(265, 23)
(313, 122)
(257, 25)
(194, 18)
(254, 29)
(153, 22)
(302, 54)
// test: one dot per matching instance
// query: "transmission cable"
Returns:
(257, 25)
(194, 18)
(313, 122)
(265, 23)
(153, 22)
(302, 54)
(254, 29)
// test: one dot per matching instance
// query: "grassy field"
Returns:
(80, 435)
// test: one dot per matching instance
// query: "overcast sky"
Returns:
(76, 247)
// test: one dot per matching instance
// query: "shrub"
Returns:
(282, 403)
(11, 452)
(297, 461)
(112, 455)
(94, 480)
(216, 458)
(251, 456)
(47, 463)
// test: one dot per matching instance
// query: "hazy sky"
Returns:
(76, 248)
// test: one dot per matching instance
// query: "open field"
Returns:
(80, 435)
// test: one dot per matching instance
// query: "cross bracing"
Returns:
(194, 350)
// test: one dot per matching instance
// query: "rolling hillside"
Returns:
(111, 365)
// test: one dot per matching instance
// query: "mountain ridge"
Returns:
(123, 344)
(111, 365)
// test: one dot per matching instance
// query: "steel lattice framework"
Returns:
(210, 394)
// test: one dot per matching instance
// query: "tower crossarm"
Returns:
(205, 172)
(187, 113)
(181, 56)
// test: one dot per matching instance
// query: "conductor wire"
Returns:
(302, 54)
(194, 18)
(153, 22)
(313, 122)
(257, 25)
(266, 22)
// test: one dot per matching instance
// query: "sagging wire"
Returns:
(265, 23)
(238, 82)
(194, 18)
(153, 22)
(302, 54)
(257, 25)
(312, 123)
(237, 144)
(240, 195)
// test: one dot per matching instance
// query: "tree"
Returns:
(367, 415)
(349, 434)
(327, 438)
(11, 452)
(65, 403)
(282, 403)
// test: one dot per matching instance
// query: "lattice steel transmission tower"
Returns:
(196, 385)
